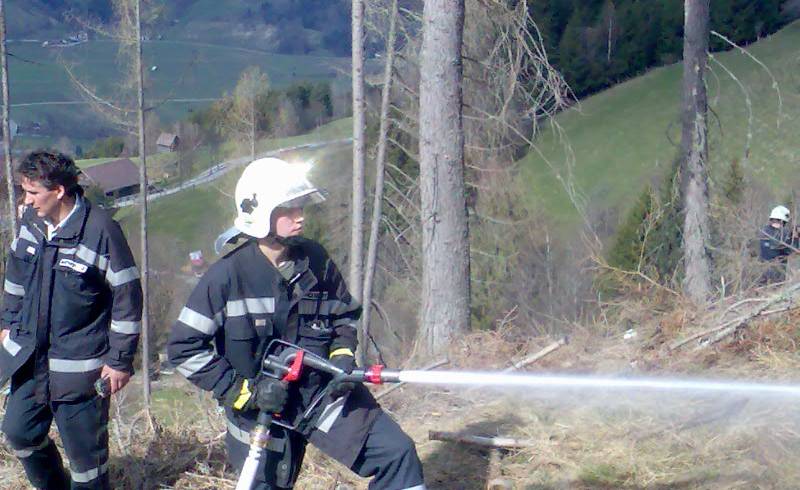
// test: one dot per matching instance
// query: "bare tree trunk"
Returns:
(12, 199)
(359, 161)
(180, 149)
(380, 171)
(445, 233)
(253, 129)
(694, 148)
(143, 216)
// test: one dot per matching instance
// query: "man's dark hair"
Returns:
(51, 169)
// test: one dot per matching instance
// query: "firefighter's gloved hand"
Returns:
(266, 394)
(346, 361)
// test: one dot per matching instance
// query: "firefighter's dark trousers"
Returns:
(82, 425)
(388, 456)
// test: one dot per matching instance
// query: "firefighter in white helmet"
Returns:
(279, 285)
(777, 242)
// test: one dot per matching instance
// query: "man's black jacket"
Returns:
(74, 302)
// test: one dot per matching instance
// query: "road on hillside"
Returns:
(216, 171)
(86, 102)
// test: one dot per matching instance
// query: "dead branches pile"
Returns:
(739, 314)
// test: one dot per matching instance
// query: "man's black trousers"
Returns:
(82, 425)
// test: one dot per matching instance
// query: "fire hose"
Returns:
(285, 361)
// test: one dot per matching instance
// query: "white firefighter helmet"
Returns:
(266, 184)
(780, 213)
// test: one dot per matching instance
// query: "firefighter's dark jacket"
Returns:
(777, 243)
(74, 303)
(243, 302)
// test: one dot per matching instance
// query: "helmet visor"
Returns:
(314, 196)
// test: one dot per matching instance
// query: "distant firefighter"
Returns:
(778, 240)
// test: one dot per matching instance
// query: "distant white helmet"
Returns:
(781, 213)
(266, 184)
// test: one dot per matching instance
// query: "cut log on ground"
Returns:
(501, 442)
(539, 355)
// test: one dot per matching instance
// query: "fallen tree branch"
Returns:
(390, 389)
(539, 355)
(726, 328)
(740, 303)
(701, 334)
(728, 331)
(503, 442)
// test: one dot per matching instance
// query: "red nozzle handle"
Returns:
(296, 367)
(373, 374)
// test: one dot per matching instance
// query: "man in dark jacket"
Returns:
(278, 285)
(72, 309)
(776, 243)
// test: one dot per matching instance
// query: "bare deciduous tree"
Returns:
(380, 170)
(445, 310)
(359, 158)
(243, 116)
(609, 14)
(510, 94)
(694, 152)
(127, 110)
(145, 270)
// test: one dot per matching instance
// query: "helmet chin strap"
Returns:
(281, 240)
(277, 239)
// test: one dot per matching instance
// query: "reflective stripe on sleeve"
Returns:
(126, 327)
(329, 414)
(195, 363)
(122, 277)
(13, 288)
(25, 234)
(9, 345)
(242, 307)
(73, 366)
(91, 257)
(199, 322)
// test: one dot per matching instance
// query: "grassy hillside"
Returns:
(190, 71)
(621, 137)
(310, 27)
(26, 16)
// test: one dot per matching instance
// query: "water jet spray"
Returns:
(286, 361)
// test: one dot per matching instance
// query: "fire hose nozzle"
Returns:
(376, 375)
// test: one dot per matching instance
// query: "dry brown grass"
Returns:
(581, 440)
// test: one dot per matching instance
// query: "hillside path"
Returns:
(216, 171)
